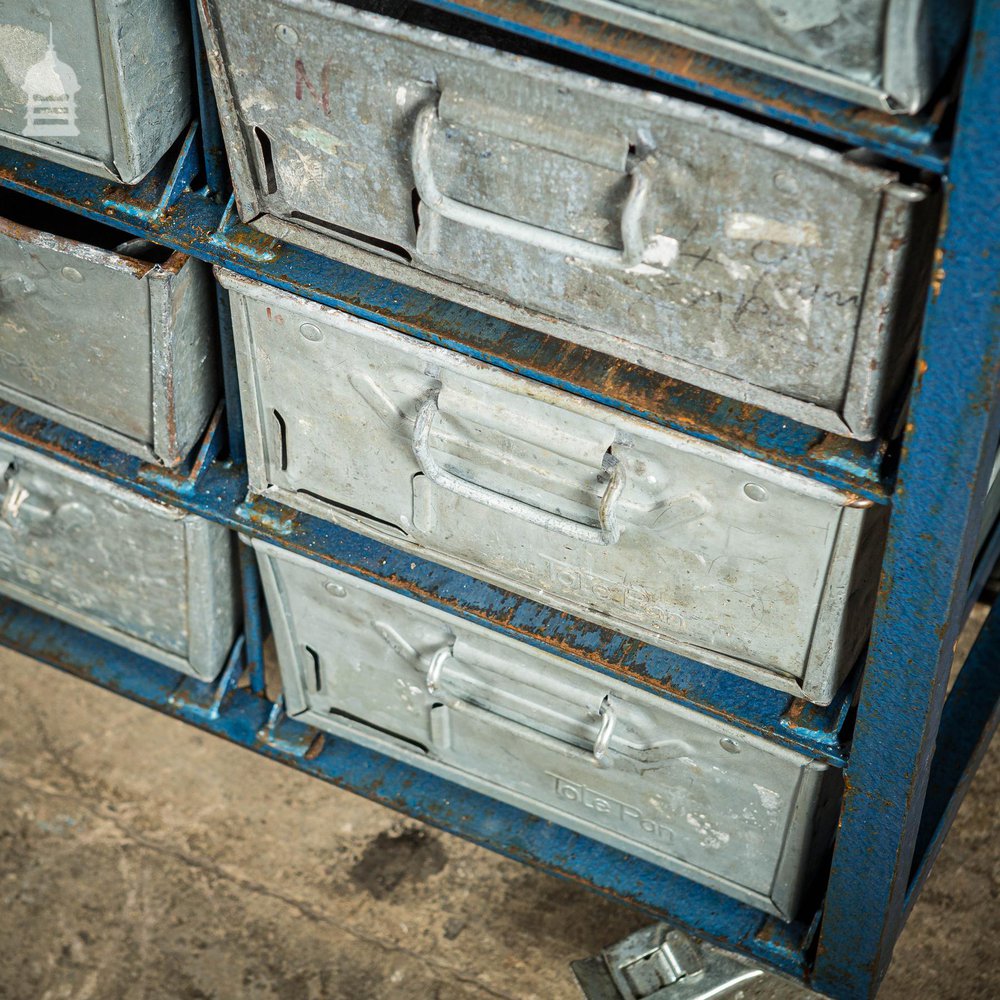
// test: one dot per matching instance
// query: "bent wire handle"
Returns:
(608, 719)
(607, 534)
(14, 494)
(407, 650)
(438, 660)
(525, 232)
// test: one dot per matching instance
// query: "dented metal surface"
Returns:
(124, 67)
(77, 319)
(887, 54)
(151, 577)
(608, 216)
(604, 758)
(635, 527)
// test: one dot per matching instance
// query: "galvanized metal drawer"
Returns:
(650, 532)
(139, 573)
(688, 792)
(96, 312)
(686, 240)
(102, 86)
(888, 54)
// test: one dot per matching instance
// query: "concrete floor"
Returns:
(141, 858)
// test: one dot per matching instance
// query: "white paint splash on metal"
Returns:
(769, 798)
(735, 270)
(711, 838)
(745, 226)
(661, 251)
(317, 137)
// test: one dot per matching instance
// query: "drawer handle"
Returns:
(32, 513)
(439, 657)
(524, 232)
(13, 500)
(608, 719)
(606, 711)
(607, 534)
(438, 660)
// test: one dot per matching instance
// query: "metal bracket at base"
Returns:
(660, 962)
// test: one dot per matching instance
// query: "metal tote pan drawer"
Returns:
(888, 54)
(683, 239)
(139, 573)
(650, 532)
(589, 752)
(102, 86)
(113, 337)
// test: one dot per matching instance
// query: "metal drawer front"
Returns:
(77, 318)
(888, 54)
(597, 755)
(647, 531)
(124, 67)
(680, 238)
(144, 575)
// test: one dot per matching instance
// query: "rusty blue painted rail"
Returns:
(902, 796)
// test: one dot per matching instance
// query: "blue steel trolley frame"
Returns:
(908, 747)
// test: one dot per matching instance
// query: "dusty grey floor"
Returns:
(140, 858)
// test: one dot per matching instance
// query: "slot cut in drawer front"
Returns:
(887, 54)
(597, 755)
(86, 308)
(134, 571)
(682, 239)
(644, 530)
(125, 71)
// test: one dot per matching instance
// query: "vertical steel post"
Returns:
(950, 441)
(213, 149)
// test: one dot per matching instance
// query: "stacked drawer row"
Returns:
(111, 336)
(651, 229)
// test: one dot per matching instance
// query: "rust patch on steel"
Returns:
(795, 710)
(861, 503)
(315, 748)
(938, 274)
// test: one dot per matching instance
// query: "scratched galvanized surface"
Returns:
(916, 139)
(126, 69)
(163, 209)
(702, 798)
(932, 545)
(82, 307)
(134, 570)
(788, 286)
(711, 555)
